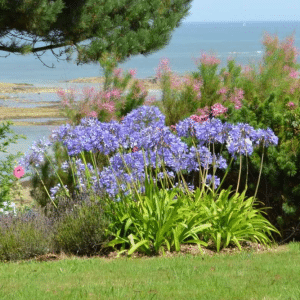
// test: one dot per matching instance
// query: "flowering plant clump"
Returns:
(139, 144)
(277, 73)
(198, 93)
(144, 128)
(109, 103)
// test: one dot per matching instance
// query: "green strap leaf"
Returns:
(136, 246)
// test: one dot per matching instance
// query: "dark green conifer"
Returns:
(125, 27)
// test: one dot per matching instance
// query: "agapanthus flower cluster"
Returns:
(144, 129)
(239, 138)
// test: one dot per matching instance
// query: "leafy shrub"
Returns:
(233, 219)
(25, 235)
(280, 185)
(80, 226)
(155, 221)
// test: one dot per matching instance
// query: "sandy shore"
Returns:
(11, 88)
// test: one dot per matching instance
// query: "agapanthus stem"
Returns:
(227, 170)
(246, 185)
(262, 158)
(199, 162)
(94, 164)
(87, 172)
(67, 193)
(214, 168)
(167, 179)
(45, 188)
(71, 165)
(238, 184)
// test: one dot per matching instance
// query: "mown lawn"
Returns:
(244, 275)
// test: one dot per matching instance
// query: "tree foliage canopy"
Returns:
(124, 27)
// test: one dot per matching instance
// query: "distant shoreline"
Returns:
(52, 111)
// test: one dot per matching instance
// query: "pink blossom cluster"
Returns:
(199, 119)
(109, 106)
(291, 105)
(173, 127)
(294, 74)
(92, 114)
(223, 92)
(208, 60)
(133, 72)
(142, 91)
(290, 52)
(117, 72)
(247, 72)
(295, 86)
(88, 92)
(176, 82)
(236, 98)
(163, 68)
(115, 93)
(217, 109)
(66, 101)
(196, 84)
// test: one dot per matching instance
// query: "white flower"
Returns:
(247, 140)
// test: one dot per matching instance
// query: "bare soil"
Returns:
(193, 250)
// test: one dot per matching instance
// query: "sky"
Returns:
(243, 10)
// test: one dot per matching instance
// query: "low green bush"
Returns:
(233, 219)
(80, 227)
(24, 236)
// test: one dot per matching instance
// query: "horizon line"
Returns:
(241, 21)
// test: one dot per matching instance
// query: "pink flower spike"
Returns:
(223, 90)
(117, 72)
(18, 172)
(92, 114)
(209, 60)
(294, 74)
(132, 72)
